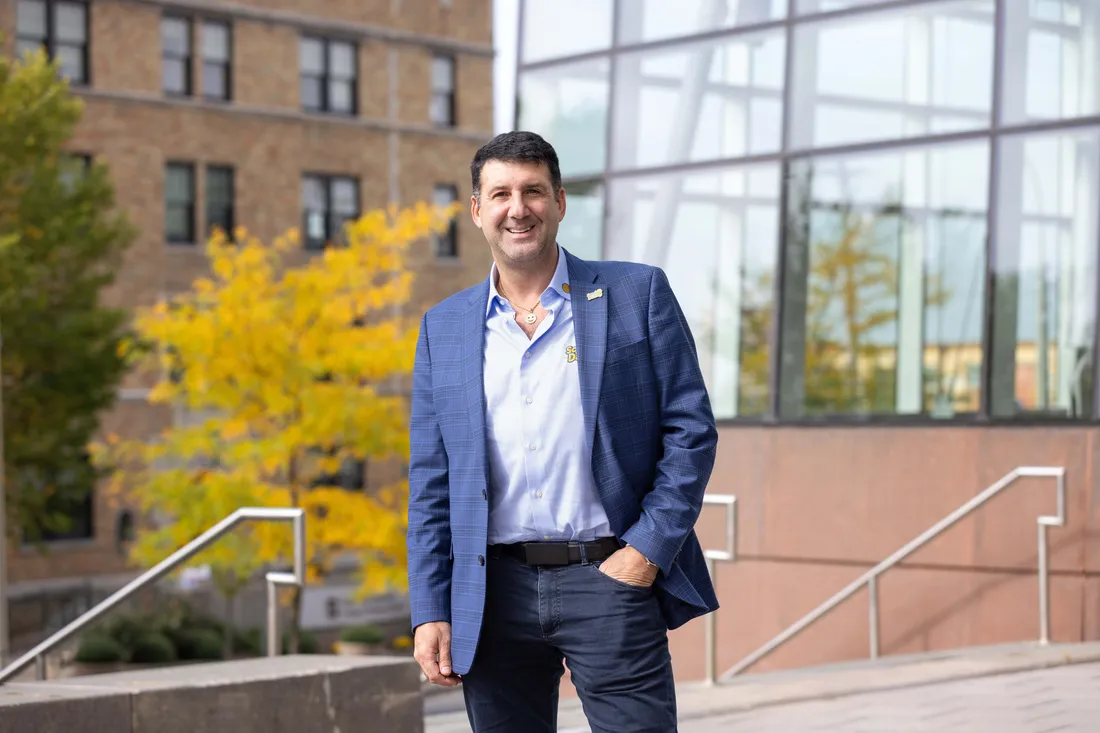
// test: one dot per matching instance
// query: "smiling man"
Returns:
(561, 439)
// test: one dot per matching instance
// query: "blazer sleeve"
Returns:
(429, 526)
(688, 434)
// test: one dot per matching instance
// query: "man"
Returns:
(561, 439)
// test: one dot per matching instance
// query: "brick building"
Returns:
(263, 113)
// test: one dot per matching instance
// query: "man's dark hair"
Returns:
(516, 147)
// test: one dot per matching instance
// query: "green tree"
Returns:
(61, 241)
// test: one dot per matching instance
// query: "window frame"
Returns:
(326, 76)
(450, 94)
(445, 246)
(50, 41)
(226, 65)
(190, 206)
(188, 59)
(327, 182)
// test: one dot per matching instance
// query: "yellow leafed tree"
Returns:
(286, 372)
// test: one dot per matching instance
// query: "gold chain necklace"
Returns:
(530, 317)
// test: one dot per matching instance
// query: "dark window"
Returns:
(175, 38)
(179, 203)
(443, 91)
(216, 55)
(328, 75)
(219, 199)
(59, 27)
(446, 244)
(75, 166)
(327, 202)
(70, 507)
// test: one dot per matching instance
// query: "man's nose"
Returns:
(517, 208)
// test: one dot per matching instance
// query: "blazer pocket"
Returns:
(627, 351)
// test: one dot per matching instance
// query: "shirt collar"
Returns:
(558, 284)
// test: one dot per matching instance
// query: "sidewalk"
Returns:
(996, 689)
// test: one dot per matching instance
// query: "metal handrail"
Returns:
(870, 578)
(729, 554)
(267, 514)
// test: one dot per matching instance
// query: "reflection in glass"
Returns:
(884, 283)
(1053, 71)
(1044, 306)
(806, 7)
(897, 74)
(652, 20)
(564, 28)
(715, 234)
(579, 232)
(567, 105)
(702, 101)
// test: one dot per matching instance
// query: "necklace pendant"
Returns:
(530, 318)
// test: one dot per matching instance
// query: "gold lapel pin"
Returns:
(565, 287)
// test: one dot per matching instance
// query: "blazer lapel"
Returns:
(473, 368)
(589, 300)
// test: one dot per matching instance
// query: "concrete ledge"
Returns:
(288, 694)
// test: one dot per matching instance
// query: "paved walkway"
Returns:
(1011, 689)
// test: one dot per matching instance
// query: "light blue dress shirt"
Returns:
(541, 483)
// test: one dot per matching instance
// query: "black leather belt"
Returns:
(557, 553)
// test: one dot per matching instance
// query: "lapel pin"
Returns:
(565, 287)
(595, 294)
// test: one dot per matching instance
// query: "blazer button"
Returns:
(484, 495)
(480, 559)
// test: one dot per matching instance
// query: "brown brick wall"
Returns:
(128, 125)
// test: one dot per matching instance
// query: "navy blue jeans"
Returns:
(610, 634)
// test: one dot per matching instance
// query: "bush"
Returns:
(248, 641)
(198, 643)
(98, 647)
(307, 643)
(366, 634)
(127, 629)
(153, 648)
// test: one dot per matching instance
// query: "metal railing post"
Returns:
(1044, 588)
(872, 613)
(727, 554)
(711, 632)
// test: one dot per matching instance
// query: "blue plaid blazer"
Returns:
(646, 415)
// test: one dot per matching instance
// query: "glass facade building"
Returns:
(868, 210)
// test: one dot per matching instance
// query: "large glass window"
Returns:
(1044, 305)
(581, 229)
(885, 282)
(328, 75)
(715, 234)
(653, 20)
(922, 70)
(564, 28)
(567, 105)
(702, 101)
(59, 27)
(1052, 60)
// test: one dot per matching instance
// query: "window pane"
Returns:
(651, 20)
(23, 47)
(313, 193)
(315, 227)
(440, 110)
(341, 60)
(444, 195)
(219, 185)
(825, 6)
(885, 283)
(176, 36)
(175, 76)
(311, 92)
(567, 105)
(214, 82)
(715, 233)
(919, 71)
(1054, 70)
(579, 232)
(1044, 311)
(311, 56)
(179, 184)
(30, 19)
(340, 96)
(345, 196)
(700, 102)
(215, 41)
(551, 29)
(178, 221)
(69, 23)
(220, 217)
(443, 70)
(72, 63)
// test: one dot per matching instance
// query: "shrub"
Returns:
(198, 644)
(307, 643)
(98, 647)
(153, 648)
(248, 641)
(366, 634)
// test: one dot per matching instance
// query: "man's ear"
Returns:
(475, 211)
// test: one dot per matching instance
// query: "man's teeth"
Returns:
(521, 231)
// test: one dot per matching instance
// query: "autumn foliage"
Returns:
(279, 374)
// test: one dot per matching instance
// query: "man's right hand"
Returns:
(432, 650)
